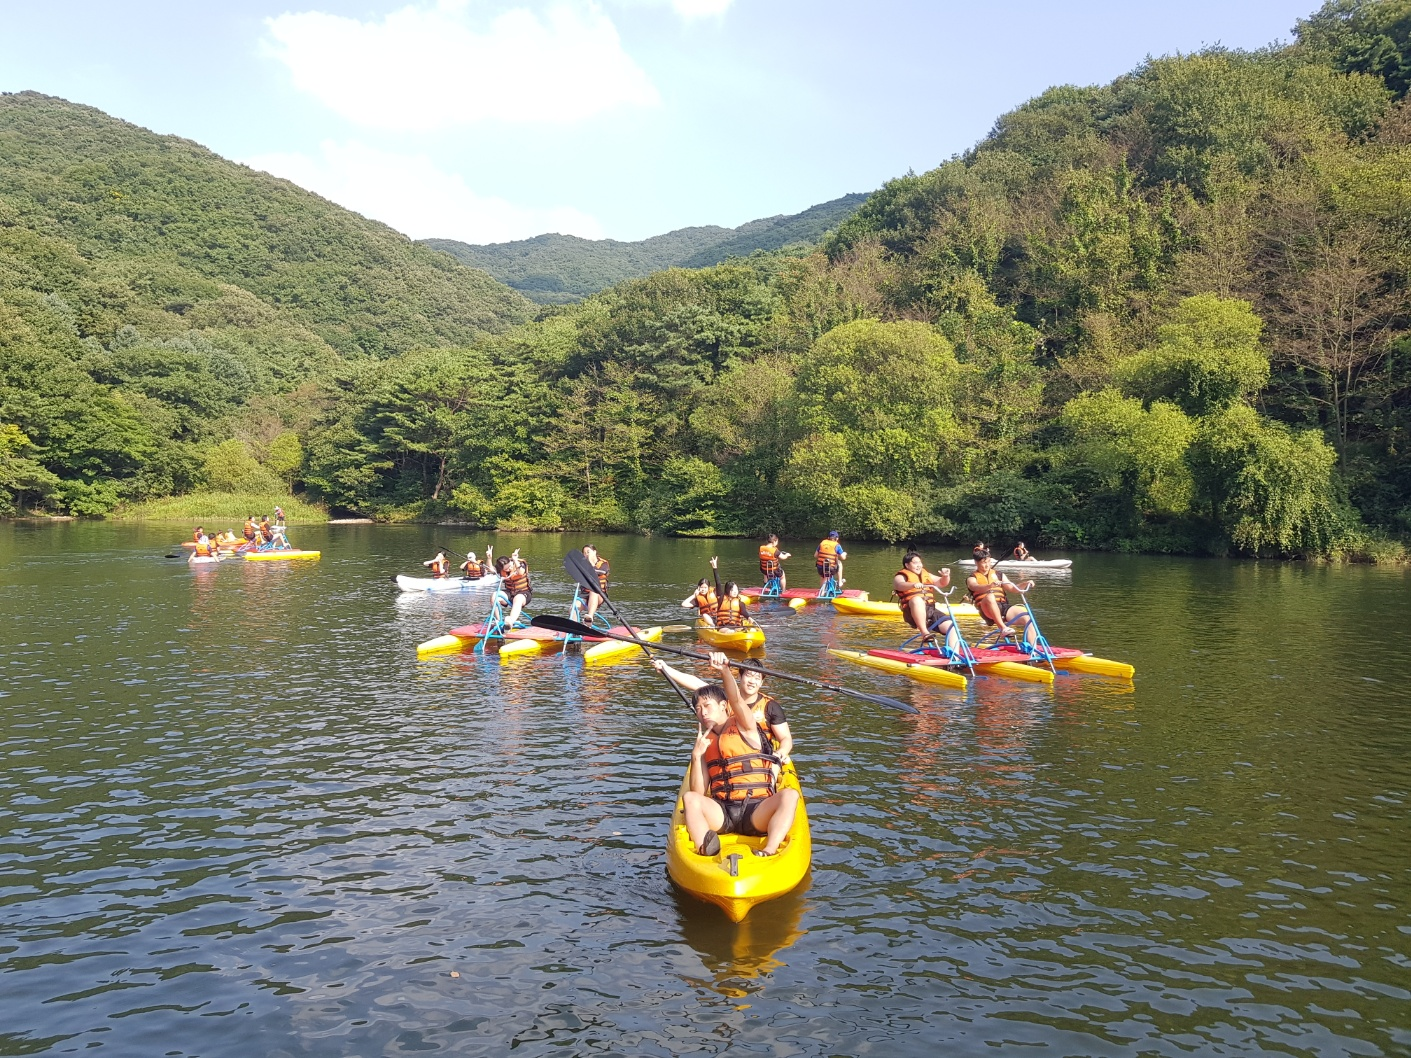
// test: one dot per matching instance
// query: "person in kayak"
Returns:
(703, 599)
(914, 586)
(768, 713)
(473, 568)
(770, 558)
(602, 569)
(515, 589)
(439, 565)
(1021, 553)
(203, 542)
(989, 590)
(734, 785)
(828, 560)
(730, 608)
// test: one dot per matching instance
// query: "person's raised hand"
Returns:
(718, 661)
(713, 561)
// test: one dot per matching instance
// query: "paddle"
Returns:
(582, 571)
(564, 625)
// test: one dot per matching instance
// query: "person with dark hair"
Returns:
(703, 599)
(515, 589)
(730, 609)
(828, 560)
(439, 564)
(914, 586)
(770, 558)
(1021, 553)
(602, 569)
(734, 776)
(989, 590)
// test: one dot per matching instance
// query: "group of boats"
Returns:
(734, 877)
(247, 551)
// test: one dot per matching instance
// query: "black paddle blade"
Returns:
(581, 570)
(565, 625)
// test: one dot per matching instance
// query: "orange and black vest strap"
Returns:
(991, 585)
(729, 612)
(768, 739)
(473, 569)
(439, 567)
(602, 569)
(916, 585)
(517, 582)
(735, 770)
(827, 554)
(769, 559)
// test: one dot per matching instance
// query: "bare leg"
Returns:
(515, 610)
(1018, 619)
(702, 814)
(775, 815)
(593, 598)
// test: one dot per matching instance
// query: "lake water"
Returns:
(240, 817)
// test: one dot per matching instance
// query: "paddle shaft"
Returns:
(582, 571)
(561, 624)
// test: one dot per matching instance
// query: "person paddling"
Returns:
(828, 560)
(249, 530)
(730, 608)
(914, 586)
(768, 713)
(602, 569)
(473, 568)
(439, 565)
(770, 558)
(1021, 553)
(734, 785)
(989, 590)
(703, 599)
(515, 589)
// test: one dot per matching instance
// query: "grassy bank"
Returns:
(221, 510)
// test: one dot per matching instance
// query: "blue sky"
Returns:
(484, 120)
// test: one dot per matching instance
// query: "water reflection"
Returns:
(736, 953)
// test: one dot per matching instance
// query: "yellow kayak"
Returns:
(731, 638)
(615, 650)
(868, 608)
(735, 878)
(278, 556)
(921, 673)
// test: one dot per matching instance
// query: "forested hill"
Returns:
(557, 269)
(156, 299)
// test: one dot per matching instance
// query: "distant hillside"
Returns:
(166, 314)
(553, 269)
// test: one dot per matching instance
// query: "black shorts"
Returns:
(932, 616)
(737, 818)
(825, 570)
(528, 596)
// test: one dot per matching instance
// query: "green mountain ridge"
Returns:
(559, 269)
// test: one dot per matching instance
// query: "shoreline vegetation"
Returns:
(1132, 318)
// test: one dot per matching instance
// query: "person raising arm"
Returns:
(914, 587)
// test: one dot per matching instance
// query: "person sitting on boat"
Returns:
(249, 529)
(703, 599)
(734, 783)
(440, 565)
(1021, 553)
(989, 590)
(473, 568)
(730, 609)
(769, 558)
(768, 713)
(914, 587)
(515, 589)
(828, 560)
(601, 567)
(266, 532)
(203, 543)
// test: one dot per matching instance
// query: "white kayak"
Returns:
(1032, 563)
(446, 584)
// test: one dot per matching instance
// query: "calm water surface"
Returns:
(239, 817)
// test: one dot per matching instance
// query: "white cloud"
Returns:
(412, 195)
(700, 8)
(424, 68)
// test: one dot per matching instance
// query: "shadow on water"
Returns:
(735, 953)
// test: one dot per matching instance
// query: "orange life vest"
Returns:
(439, 567)
(768, 739)
(265, 531)
(729, 612)
(827, 554)
(472, 569)
(992, 585)
(769, 559)
(516, 583)
(735, 770)
(601, 568)
(916, 585)
(203, 547)
(249, 530)
(705, 601)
